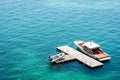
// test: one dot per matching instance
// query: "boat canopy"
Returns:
(91, 45)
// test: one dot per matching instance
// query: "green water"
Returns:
(30, 31)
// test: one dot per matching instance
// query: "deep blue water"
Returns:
(30, 31)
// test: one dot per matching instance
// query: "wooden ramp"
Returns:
(80, 56)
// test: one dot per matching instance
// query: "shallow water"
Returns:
(31, 30)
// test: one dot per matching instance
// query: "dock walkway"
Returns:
(79, 56)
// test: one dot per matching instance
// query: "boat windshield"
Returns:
(96, 50)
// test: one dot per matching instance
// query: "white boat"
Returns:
(92, 49)
(57, 57)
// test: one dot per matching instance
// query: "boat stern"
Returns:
(105, 59)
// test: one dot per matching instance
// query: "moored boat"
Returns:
(92, 49)
(57, 57)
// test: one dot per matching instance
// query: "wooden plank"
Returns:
(80, 56)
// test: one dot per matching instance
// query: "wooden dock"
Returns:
(79, 56)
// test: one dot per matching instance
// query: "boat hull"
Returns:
(82, 50)
(56, 57)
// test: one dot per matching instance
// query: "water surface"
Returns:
(31, 30)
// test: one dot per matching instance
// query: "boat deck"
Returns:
(79, 56)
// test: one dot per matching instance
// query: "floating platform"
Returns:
(79, 56)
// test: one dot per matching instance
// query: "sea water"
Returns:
(30, 31)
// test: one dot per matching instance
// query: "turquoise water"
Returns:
(30, 30)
